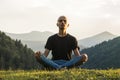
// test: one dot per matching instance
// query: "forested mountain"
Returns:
(15, 55)
(104, 55)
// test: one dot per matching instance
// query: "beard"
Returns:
(62, 27)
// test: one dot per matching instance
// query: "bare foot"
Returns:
(84, 57)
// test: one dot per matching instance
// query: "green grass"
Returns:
(72, 74)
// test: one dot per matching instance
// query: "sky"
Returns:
(86, 17)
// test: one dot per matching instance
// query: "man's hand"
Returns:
(37, 55)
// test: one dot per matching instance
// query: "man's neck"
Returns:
(62, 33)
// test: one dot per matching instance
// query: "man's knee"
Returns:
(84, 57)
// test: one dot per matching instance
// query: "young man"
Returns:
(61, 44)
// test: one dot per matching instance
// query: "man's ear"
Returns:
(68, 25)
(57, 24)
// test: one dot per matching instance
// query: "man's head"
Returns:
(62, 22)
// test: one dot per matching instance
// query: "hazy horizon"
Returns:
(86, 18)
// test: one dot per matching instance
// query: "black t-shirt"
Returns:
(61, 46)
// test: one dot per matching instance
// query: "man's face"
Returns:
(62, 22)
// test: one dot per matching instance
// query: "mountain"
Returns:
(104, 55)
(96, 39)
(15, 55)
(36, 40)
(35, 45)
(32, 36)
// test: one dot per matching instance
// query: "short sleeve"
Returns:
(74, 44)
(49, 44)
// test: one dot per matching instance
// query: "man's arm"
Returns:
(76, 52)
(46, 52)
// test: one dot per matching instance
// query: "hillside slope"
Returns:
(15, 55)
(104, 55)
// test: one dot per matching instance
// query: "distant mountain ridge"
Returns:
(32, 36)
(35, 45)
(36, 40)
(96, 39)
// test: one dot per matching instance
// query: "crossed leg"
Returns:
(77, 61)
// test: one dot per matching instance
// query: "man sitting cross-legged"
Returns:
(61, 44)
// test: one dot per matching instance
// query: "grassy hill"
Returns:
(104, 55)
(72, 74)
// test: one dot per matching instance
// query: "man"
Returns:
(61, 44)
